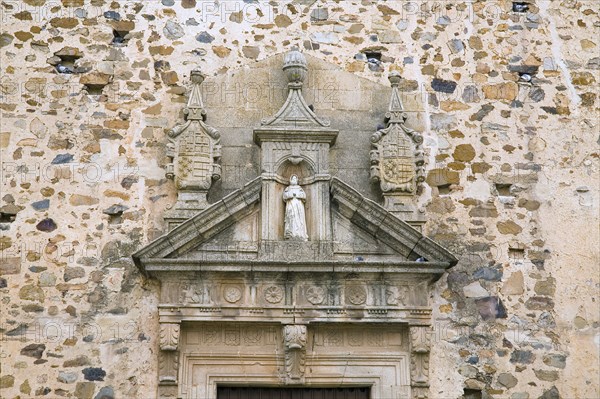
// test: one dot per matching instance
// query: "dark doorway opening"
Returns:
(292, 393)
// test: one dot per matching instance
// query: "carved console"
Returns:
(168, 359)
(295, 353)
(397, 161)
(194, 152)
(420, 344)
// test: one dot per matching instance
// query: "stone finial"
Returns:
(295, 66)
(295, 113)
(195, 106)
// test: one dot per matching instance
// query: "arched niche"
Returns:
(304, 169)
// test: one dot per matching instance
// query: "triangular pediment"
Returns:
(227, 233)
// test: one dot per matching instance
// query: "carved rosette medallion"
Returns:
(294, 337)
(356, 294)
(315, 295)
(273, 294)
(232, 293)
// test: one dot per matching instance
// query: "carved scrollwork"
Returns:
(295, 351)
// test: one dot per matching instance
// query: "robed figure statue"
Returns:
(295, 219)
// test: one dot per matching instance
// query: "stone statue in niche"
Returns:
(295, 218)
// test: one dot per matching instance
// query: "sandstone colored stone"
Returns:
(7, 381)
(95, 79)
(503, 91)
(251, 51)
(514, 284)
(84, 390)
(66, 23)
(83, 200)
(545, 287)
(221, 51)
(77, 362)
(10, 265)
(509, 227)
(442, 177)
(464, 153)
(282, 21)
(31, 292)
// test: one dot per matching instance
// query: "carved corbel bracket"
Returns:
(420, 346)
(294, 337)
(168, 359)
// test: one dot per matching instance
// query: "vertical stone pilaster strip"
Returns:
(168, 360)
(420, 346)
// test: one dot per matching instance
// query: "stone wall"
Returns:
(506, 95)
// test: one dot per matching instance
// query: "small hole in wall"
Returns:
(67, 64)
(520, 6)
(373, 56)
(471, 394)
(7, 217)
(120, 38)
(516, 253)
(504, 189)
(444, 189)
(94, 90)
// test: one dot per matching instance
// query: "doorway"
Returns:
(292, 393)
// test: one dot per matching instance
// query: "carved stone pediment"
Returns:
(227, 234)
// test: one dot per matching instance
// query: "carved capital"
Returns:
(420, 346)
(294, 337)
(169, 336)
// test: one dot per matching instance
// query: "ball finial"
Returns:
(197, 76)
(295, 66)
(394, 78)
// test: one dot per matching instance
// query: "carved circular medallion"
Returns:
(232, 293)
(356, 295)
(274, 294)
(315, 295)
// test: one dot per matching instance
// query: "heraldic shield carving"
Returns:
(194, 151)
(397, 161)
